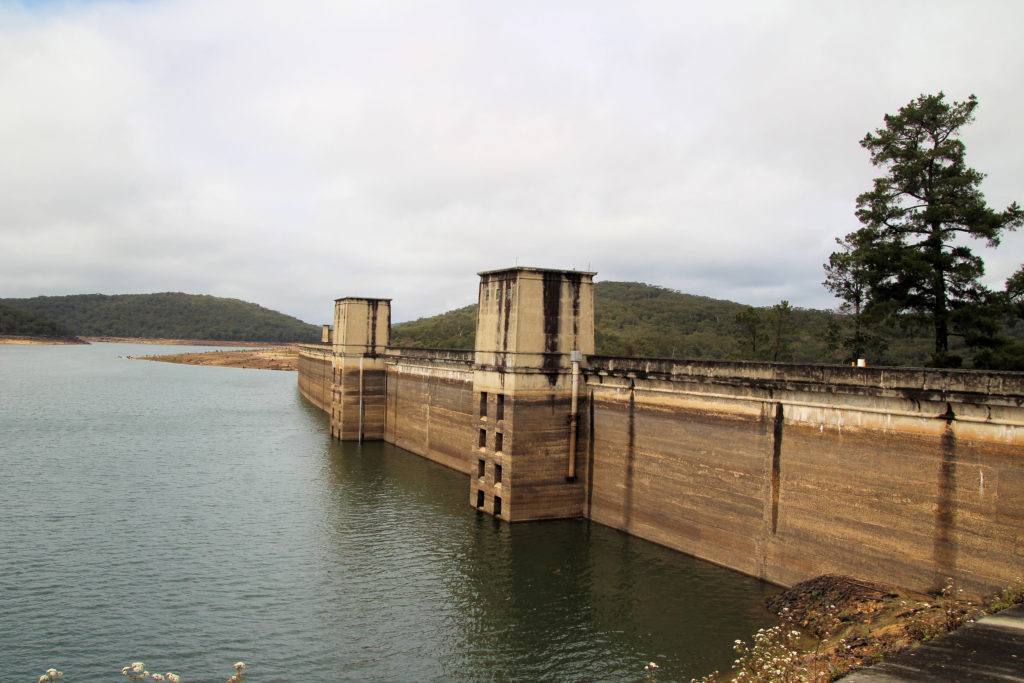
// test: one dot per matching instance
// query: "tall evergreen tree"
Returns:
(847, 276)
(781, 320)
(919, 216)
(748, 332)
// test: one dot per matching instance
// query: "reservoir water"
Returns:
(191, 517)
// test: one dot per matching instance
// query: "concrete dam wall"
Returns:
(785, 472)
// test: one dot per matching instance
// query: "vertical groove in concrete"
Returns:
(905, 476)
(776, 465)
(944, 549)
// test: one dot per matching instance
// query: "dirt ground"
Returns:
(23, 339)
(278, 358)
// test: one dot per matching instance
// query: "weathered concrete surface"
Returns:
(529, 320)
(361, 326)
(785, 472)
(316, 375)
(990, 650)
(429, 405)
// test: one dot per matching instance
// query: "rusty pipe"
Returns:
(573, 409)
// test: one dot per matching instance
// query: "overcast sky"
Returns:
(290, 153)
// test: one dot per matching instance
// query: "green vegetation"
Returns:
(452, 330)
(16, 322)
(911, 263)
(167, 316)
(635, 319)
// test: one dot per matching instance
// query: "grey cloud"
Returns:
(291, 153)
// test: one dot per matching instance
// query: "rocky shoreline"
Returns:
(845, 624)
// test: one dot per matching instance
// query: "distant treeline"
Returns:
(170, 315)
(635, 319)
(631, 319)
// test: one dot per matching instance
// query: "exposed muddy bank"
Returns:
(281, 358)
(29, 339)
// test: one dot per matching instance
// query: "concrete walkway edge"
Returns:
(991, 649)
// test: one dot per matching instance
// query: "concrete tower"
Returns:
(533, 328)
(362, 330)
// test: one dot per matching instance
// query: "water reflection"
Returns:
(192, 516)
(559, 600)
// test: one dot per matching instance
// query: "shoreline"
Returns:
(28, 339)
(24, 339)
(832, 625)
(274, 358)
(183, 342)
(268, 356)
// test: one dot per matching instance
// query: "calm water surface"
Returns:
(191, 517)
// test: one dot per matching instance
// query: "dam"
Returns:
(906, 476)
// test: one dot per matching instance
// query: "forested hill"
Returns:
(16, 322)
(635, 319)
(170, 315)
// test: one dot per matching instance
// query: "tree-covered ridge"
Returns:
(169, 315)
(452, 330)
(636, 319)
(16, 322)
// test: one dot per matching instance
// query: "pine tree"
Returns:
(919, 216)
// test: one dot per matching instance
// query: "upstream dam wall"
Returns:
(780, 471)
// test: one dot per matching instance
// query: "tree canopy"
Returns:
(912, 260)
(168, 315)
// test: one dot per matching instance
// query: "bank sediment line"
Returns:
(27, 339)
(281, 358)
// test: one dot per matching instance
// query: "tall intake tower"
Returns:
(533, 328)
